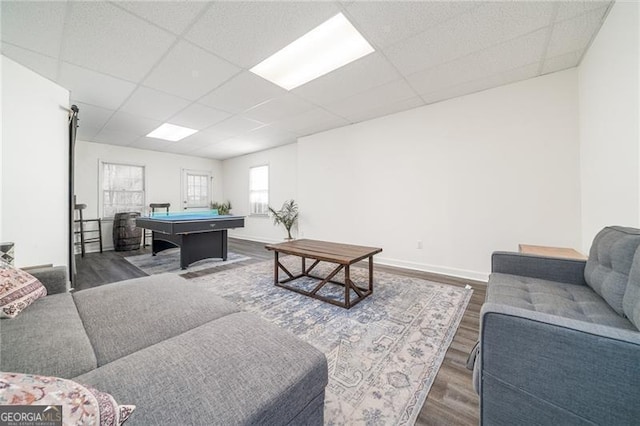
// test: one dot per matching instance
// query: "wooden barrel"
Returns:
(126, 236)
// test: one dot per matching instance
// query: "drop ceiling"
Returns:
(133, 65)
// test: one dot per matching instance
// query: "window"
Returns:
(122, 189)
(259, 189)
(196, 194)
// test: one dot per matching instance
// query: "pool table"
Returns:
(199, 235)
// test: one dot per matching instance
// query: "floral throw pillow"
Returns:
(81, 405)
(18, 289)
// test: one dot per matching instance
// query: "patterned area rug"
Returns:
(384, 353)
(169, 261)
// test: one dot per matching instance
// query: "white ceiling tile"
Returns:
(268, 136)
(152, 104)
(278, 108)
(132, 124)
(573, 8)
(377, 97)
(507, 77)
(34, 25)
(562, 62)
(115, 137)
(215, 153)
(180, 147)
(234, 147)
(174, 16)
(94, 88)
(189, 72)
(509, 55)
(310, 122)
(205, 151)
(388, 109)
(575, 34)
(206, 137)
(198, 117)
(150, 144)
(236, 125)
(242, 92)
(106, 38)
(43, 65)
(91, 119)
(511, 76)
(245, 33)
(367, 72)
(386, 22)
(507, 20)
(475, 30)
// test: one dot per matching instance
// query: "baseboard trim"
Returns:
(441, 270)
(256, 239)
(93, 250)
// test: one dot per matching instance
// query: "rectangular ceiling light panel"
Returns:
(171, 132)
(322, 50)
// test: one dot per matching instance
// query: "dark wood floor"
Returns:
(451, 401)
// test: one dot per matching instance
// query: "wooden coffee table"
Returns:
(344, 255)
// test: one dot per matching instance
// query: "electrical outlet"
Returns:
(419, 245)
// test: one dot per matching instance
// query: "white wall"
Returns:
(609, 91)
(465, 177)
(163, 177)
(283, 186)
(35, 139)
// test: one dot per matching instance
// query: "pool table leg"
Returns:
(224, 244)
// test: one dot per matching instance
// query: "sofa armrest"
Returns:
(54, 278)
(570, 271)
(551, 368)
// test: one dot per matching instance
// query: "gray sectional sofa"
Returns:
(559, 339)
(179, 353)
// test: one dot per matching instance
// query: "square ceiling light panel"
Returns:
(327, 47)
(171, 132)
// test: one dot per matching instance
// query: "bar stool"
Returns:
(82, 231)
(153, 206)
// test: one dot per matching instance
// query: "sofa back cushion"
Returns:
(609, 264)
(631, 300)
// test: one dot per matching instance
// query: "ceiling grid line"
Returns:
(62, 42)
(593, 36)
(476, 52)
(382, 53)
(547, 42)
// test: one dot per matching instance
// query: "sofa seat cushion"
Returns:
(238, 369)
(47, 339)
(124, 317)
(572, 301)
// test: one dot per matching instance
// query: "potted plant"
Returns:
(223, 208)
(287, 216)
